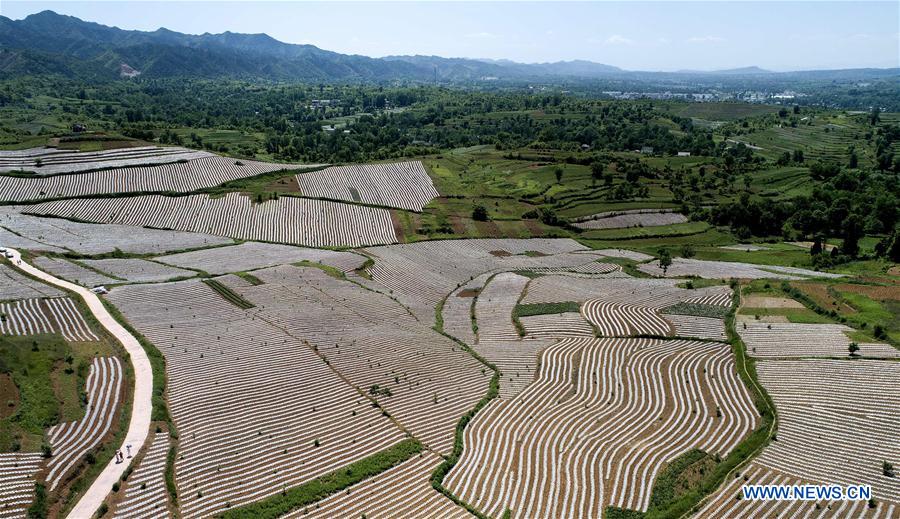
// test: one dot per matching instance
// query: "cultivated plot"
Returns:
(820, 403)
(180, 177)
(145, 495)
(59, 235)
(74, 272)
(589, 434)
(14, 285)
(18, 472)
(135, 270)
(291, 220)
(52, 161)
(402, 491)
(404, 185)
(805, 340)
(54, 315)
(421, 274)
(71, 441)
(349, 347)
(633, 218)
(730, 269)
(255, 255)
(248, 427)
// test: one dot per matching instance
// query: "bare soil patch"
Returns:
(469, 292)
(488, 229)
(398, 226)
(459, 226)
(753, 301)
(501, 253)
(9, 396)
(534, 228)
(744, 318)
(872, 292)
(286, 184)
(819, 293)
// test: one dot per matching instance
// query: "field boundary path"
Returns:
(139, 424)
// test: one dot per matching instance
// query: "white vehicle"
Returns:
(100, 290)
(8, 254)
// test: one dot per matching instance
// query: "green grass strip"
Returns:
(228, 294)
(323, 486)
(546, 308)
(696, 309)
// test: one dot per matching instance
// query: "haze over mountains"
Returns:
(50, 43)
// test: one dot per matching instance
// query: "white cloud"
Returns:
(663, 41)
(705, 39)
(618, 39)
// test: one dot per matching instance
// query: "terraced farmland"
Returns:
(58, 235)
(71, 271)
(729, 269)
(352, 348)
(634, 218)
(53, 161)
(254, 255)
(404, 185)
(607, 434)
(71, 441)
(180, 177)
(421, 274)
(54, 315)
(826, 142)
(402, 491)
(145, 494)
(286, 432)
(624, 307)
(289, 220)
(805, 340)
(14, 285)
(18, 473)
(137, 270)
(818, 403)
(725, 503)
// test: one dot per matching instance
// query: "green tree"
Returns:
(665, 260)
(816, 248)
(852, 234)
(479, 213)
(559, 174)
(875, 116)
(853, 348)
(597, 169)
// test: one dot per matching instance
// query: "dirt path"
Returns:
(139, 424)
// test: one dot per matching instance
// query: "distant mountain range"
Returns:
(50, 43)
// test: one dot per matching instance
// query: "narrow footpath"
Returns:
(139, 425)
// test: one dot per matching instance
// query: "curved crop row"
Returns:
(55, 315)
(598, 424)
(71, 441)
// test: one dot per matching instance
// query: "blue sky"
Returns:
(632, 35)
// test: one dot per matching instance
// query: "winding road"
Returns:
(139, 426)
